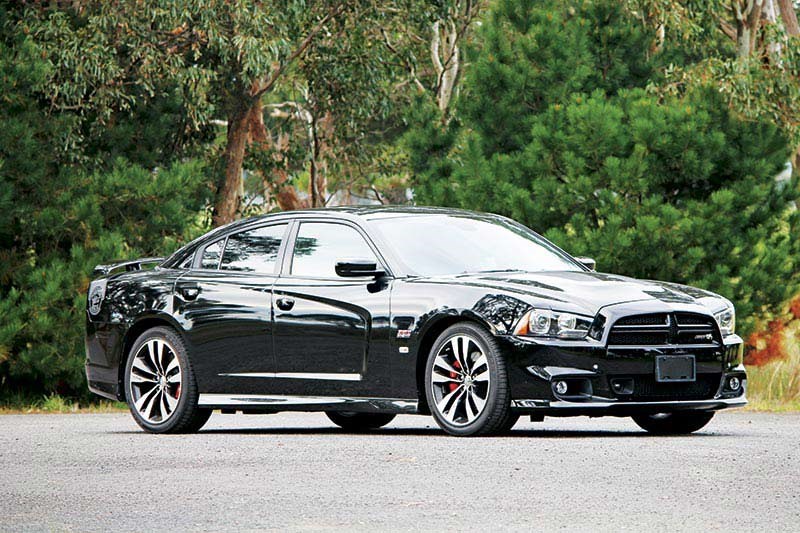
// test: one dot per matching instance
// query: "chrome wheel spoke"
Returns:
(139, 379)
(482, 377)
(446, 378)
(441, 363)
(472, 411)
(151, 354)
(145, 401)
(446, 401)
(171, 401)
(479, 362)
(480, 403)
(172, 366)
(450, 415)
(466, 363)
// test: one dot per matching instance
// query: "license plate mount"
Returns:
(675, 368)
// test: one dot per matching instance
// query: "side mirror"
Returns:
(588, 262)
(355, 268)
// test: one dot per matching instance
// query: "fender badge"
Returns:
(403, 349)
(403, 333)
(97, 291)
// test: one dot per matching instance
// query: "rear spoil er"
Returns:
(306, 403)
(605, 408)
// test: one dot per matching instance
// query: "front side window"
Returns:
(211, 255)
(255, 250)
(319, 245)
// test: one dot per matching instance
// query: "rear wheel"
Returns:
(159, 384)
(678, 423)
(359, 421)
(466, 383)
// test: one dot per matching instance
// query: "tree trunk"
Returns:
(228, 198)
(789, 17)
(748, 19)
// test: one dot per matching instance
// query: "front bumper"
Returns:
(617, 408)
(535, 366)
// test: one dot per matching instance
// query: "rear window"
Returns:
(211, 256)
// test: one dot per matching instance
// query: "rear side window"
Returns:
(319, 245)
(211, 255)
(255, 250)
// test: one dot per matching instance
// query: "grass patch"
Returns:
(775, 386)
(53, 403)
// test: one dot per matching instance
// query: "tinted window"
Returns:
(432, 245)
(255, 250)
(187, 261)
(211, 255)
(319, 246)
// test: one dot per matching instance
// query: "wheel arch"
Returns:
(139, 326)
(435, 327)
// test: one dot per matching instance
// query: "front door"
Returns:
(325, 325)
(225, 303)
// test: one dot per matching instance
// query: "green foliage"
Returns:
(62, 213)
(671, 187)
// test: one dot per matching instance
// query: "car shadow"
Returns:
(436, 432)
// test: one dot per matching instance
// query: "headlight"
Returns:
(726, 319)
(547, 323)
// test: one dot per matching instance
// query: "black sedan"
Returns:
(366, 313)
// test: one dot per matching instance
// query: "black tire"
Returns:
(186, 417)
(677, 423)
(509, 423)
(496, 411)
(359, 421)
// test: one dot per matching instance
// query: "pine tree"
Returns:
(559, 131)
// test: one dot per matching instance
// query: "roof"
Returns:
(373, 211)
(363, 212)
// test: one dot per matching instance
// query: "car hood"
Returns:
(589, 292)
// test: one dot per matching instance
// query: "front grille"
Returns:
(663, 328)
(637, 338)
(647, 389)
(657, 319)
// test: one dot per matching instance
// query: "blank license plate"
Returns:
(675, 368)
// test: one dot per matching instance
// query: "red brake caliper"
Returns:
(453, 386)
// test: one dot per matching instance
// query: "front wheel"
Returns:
(466, 383)
(678, 423)
(359, 421)
(159, 384)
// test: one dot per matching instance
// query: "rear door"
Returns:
(225, 303)
(329, 330)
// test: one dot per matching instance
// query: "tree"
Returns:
(653, 184)
(68, 201)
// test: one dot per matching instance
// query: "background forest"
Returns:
(657, 136)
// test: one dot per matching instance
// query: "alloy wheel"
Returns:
(460, 380)
(155, 381)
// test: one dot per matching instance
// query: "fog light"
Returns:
(734, 383)
(561, 387)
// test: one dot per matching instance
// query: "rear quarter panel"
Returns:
(130, 298)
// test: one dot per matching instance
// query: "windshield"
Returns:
(433, 245)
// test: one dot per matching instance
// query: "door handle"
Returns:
(189, 291)
(284, 304)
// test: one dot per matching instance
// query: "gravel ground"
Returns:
(92, 472)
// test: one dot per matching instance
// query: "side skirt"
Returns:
(271, 402)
